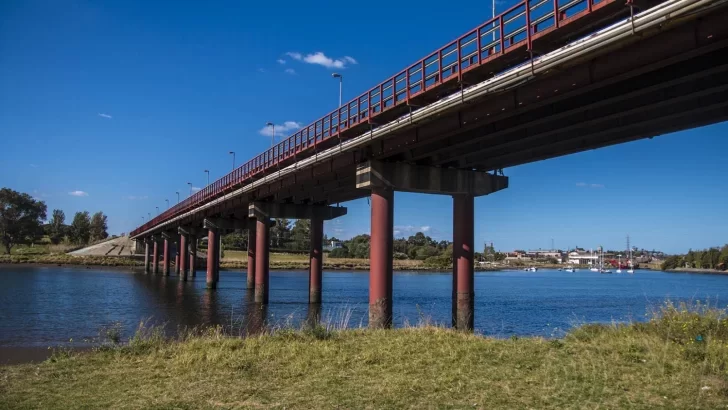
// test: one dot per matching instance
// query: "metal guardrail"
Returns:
(488, 41)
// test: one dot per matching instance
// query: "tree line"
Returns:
(711, 258)
(22, 221)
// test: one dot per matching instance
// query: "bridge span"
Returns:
(544, 79)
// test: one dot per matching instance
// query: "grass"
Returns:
(677, 360)
(239, 259)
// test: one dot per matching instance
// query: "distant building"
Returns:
(583, 258)
(541, 254)
(333, 245)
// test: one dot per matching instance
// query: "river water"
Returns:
(48, 306)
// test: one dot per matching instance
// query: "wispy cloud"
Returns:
(261, 70)
(195, 188)
(585, 185)
(319, 58)
(407, 230)
(425, 228)
(290, 71)
(33, 166)
(78, 193)
(136, 198)
(281, 61)
(107, 116)
(281, 129)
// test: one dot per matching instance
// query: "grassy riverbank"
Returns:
(679, 360)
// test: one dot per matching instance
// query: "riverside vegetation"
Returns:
(678, 359)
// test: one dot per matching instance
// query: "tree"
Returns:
(98, 227)
(80, 230)
(57, 229)
(724, 256)
(21, 218)
(280, 232)
(300, 234)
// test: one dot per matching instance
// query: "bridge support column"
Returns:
(165, 252)
(155, 258)
(316, 260)
(252, 239)
(193, 255)
(147, 255)
(380, 258)
(463, 261)
(183, 255)
(212, 257)
(262, 247)
(176, 259)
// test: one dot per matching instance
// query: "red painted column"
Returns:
(183, 256)
(193, 255)
(165, 264)
(380, 258)
(212, 254)
(218, 256)
(463, 252)
(317, 262)
(252, 239)
(155, 258)
(455, 239)
(176, 260)
(146, 255)
(262, 247)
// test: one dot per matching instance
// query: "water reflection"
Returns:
(42, 306)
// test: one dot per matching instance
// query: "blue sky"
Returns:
(114, 106)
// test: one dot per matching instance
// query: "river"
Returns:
(49, 306)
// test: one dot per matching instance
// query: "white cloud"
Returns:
(281, 129)
(321, 59)
(290, 71)
(78, 193)
(107, 116)
(33, 166)
(425, 228)
(581, 184)
(281, 61)
(195, 189)
(136, 198)
(407, 230)
(261, 70)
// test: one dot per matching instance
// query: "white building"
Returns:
(583, 258)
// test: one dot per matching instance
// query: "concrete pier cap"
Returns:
(404, 177)
(262, 210)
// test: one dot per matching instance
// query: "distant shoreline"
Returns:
(698, 270)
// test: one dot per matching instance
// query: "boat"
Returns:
(593, 268)
(570, 269)
(533, 269)
(601, 262)
(619, 264)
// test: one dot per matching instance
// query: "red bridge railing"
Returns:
(488, 41)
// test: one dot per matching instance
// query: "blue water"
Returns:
(43, 306)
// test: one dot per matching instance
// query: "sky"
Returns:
(114, 106)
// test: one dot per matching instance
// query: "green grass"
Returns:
(239, 259)
(678, 360)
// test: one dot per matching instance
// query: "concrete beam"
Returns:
(225, 223)
(262, 210)
(189, 230)
(430, 180)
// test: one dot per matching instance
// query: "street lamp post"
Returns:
(190, 184)
(341, 84)
(233, 154)
(150, 215)
(208, 177)
(272, 134)
(167, 201)
(177, 192)
(157, 210)
(142, 219)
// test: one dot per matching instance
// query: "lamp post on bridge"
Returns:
(150, 215)
(208, 177)
(272, 134)
(233, 153)
(190, 184)
(142, 219)
(157, 210)
(177, 192)
(341, 84)
(167, 201)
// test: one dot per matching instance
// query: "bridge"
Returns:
(543, 79)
